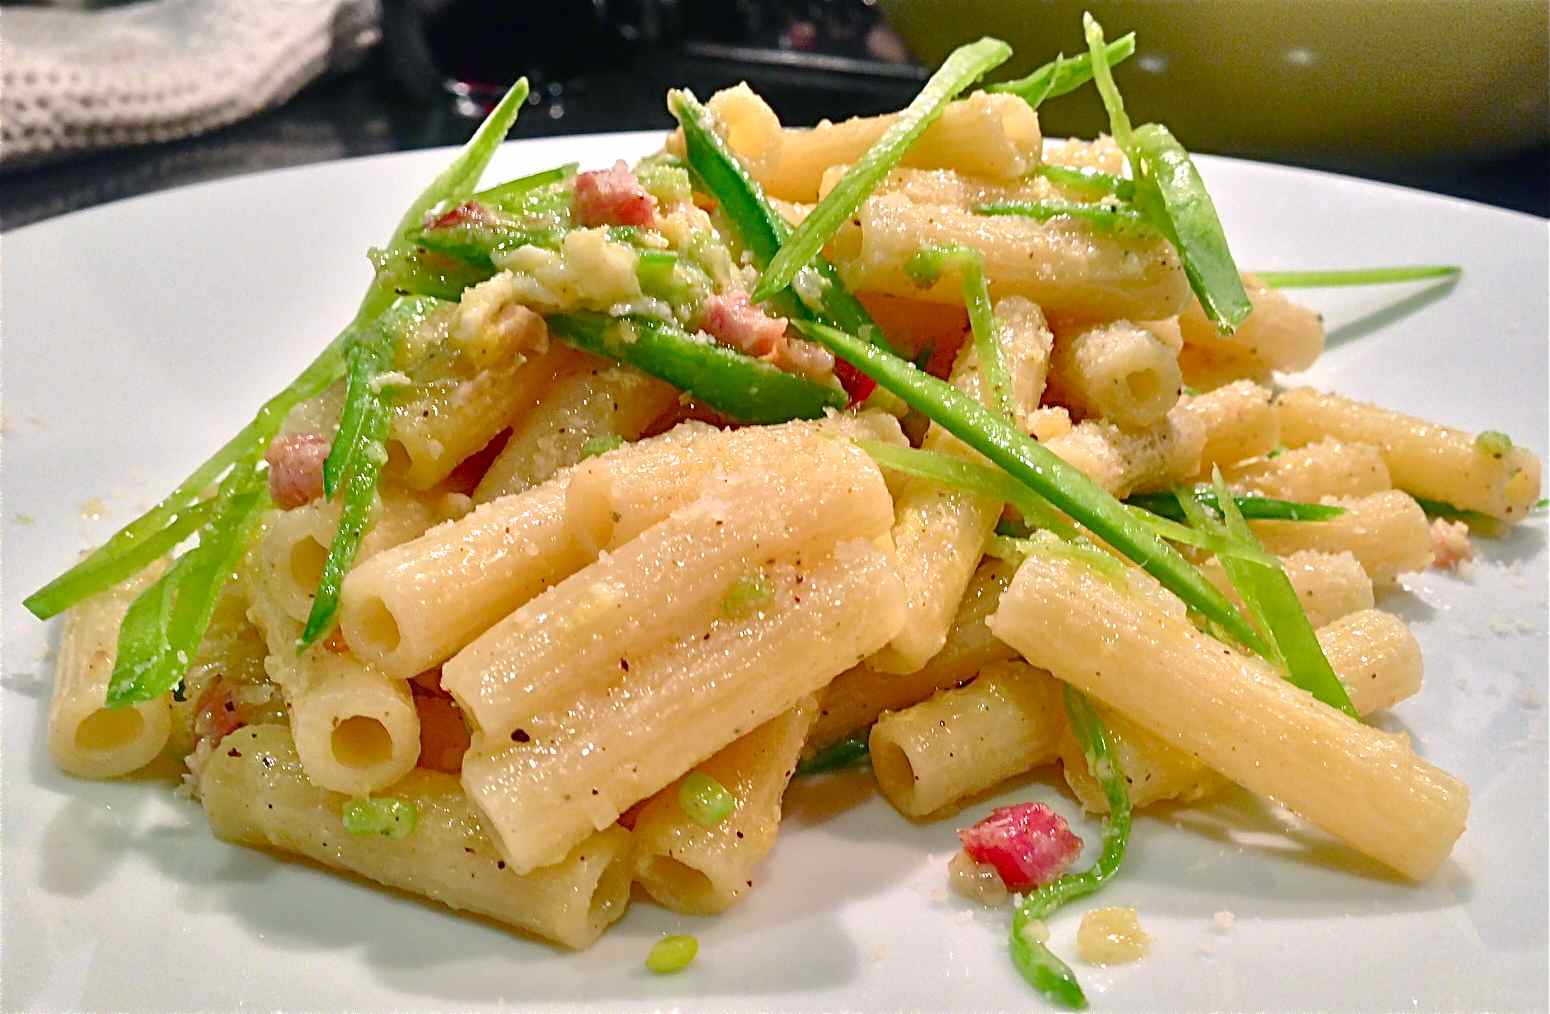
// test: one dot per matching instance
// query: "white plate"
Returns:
(139, 335)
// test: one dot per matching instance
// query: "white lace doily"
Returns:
(73, 80)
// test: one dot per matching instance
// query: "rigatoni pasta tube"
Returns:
(1122, 372)
(1277, 335)
(858, 695)
(86, 737)
(575, 770)
(1239, 423)
(1208, 369)
(443, 422)
(294, 544)
(1386, 532)
(1066, 267)
(1373, 653)
(411, 607)
(983, 135)
(356, 729)
(700, 870)
(1234, 713)
(596, 400)
(1312, 472)
(1423, 458)
(702, 560)
(1100, 153)
(1124, 461)
(255, 793)
(614, 497)
(959, 742)
(939, 532)
(1328, 585)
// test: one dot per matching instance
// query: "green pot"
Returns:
(1317, 80)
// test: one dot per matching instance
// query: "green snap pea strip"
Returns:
(1037, 963)
(1270, 597)
(1356, 276)
(761, 228)
(1092, 181)
(165, 623)
(1036, 467)
(1063, 74)
(745, 388)
(852, 751)
(1107, 217)
(504, 195)
(359, 451)
(1254, 508)
(971, 477)
(1170, 192)
(966, 65)
(925, 266)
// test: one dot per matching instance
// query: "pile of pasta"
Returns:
(538, 644)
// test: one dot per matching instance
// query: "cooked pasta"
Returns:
(939, 533)
(85, 737)
(701, 870)
(255, 792)
(1424, 459)
(1233, 713)
(635, 493)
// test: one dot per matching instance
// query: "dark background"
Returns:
(605, 71)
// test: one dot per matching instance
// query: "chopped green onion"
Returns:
(705, 800)
(962, 68)
(1037, 963)
(383, 816)
(971, 477)
(672, 953)
(729, 381)
(1541, 504)
(664, 178)
(600, 444)
(852, 751)
(745, 595)
(1108, 217)
(1042, 471)
(926, 265)
(1170, 192)
(1355, 276)
(1092, 181)
(1495, 443)
(123, 554)
(1063, 74)
(1255, 508)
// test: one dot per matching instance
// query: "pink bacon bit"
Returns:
(215, 713)
(732, 320)
(296, 468)
(1451, 548)
(1028, 844)
(467, 213)
(613, 197)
